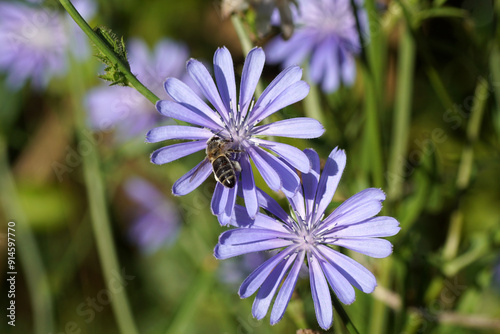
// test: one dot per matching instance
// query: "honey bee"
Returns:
(219, 152)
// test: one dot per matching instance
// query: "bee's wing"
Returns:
(198, 169)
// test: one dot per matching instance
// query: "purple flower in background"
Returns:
(310, 236)
(157, 222)
(264, 12)
(326, 32)
(36, 42)
(234, 270)
(235, 120)
(124, 107)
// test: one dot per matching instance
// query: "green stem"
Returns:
(372, 69)
(195, 297)
(104, 237)
(452, 243)
(312, 103)
(26, 246)
(96, 197)
(343, 315)
(372, 151)
(465, 168)
(379, 309)
(110, 54)
(246, 43)
(401, 116)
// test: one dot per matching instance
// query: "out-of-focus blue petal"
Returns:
(156, 221)
(348, 68)
(290, 52)
(326, 32)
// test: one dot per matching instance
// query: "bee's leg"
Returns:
(236, 166)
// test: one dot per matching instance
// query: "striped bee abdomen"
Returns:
(224, 171)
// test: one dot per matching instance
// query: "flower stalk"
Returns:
(110, 54)
(101, 225)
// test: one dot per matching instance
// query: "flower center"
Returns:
(239, 130)
(306, 239)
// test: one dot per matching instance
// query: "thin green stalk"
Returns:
(246, 43)
(297, 314)
(26, 247)
(376, 47)
(466, 162)
(101, 225)
(372, 69)
(103, 47)
(312, 103)
(372, 151)
(104, 237)
(379, 309)
(439, 88)
(343, 315)
(194, 297)
(452, 243)
(401, 115)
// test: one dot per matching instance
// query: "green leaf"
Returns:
(440, 12)
(113, 73)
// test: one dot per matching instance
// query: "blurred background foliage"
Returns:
(422, 122)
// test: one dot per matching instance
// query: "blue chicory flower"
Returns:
(325, 31)
(237, 122)
(156, 220)
(36, 42)
(308, 235)
(124, 108)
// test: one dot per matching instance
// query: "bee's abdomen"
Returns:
(224, 171)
